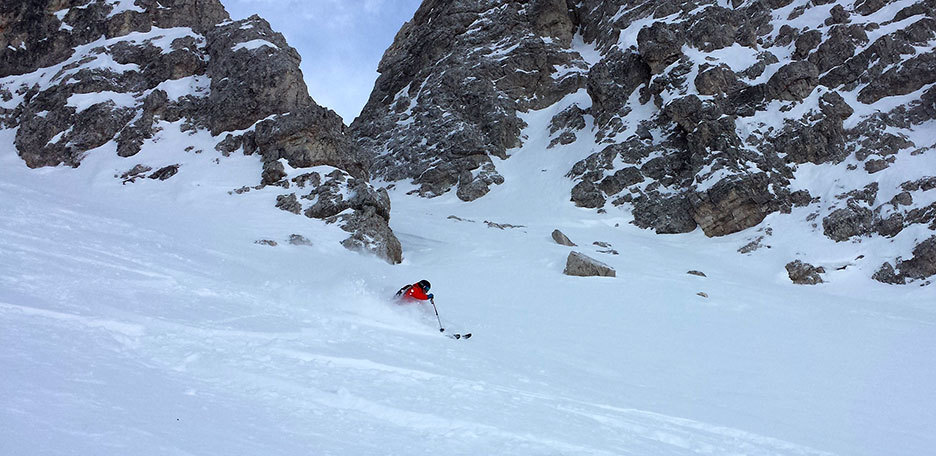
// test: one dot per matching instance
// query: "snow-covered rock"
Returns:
(155, 70)
(451, 86)
(804, 273)
(699, 114)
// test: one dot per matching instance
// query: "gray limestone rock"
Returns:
(451, 87)
(806, 43)
(732, 205)
(571, 118)
(455, 84)
(550, 18)
(660, 45)
(923, 262)
(665, 215)
(586, 194)
(838, 47)
(698, 139)
(370, 233)
(50, 38)
(875, 165)
(268, 73)
(165, 172)
(289, 203)
(612, 81)
(890, 226)
(814, 140)
(137, 171)
(359, 209)
(562, 239)
(838, 15)
(800, 198)
(887, 274)
(273, 172)
(699, 157)
(621, 179)
(908, 77)
(902, 199)
(579, 264)
(844, 223)
(310, 136)
(793, 81)
(804, 273)
(244, 79)
(921, 266)
(719, 80)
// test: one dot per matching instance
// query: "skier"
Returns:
(419, 291)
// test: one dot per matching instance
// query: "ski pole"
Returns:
(432, 300)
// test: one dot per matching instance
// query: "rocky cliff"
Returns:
(452, 84)
(700, 114)
(106, 77)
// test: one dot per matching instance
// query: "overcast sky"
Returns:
(340, 41)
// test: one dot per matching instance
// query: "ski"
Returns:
(459, 336)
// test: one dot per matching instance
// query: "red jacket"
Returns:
(415, 292)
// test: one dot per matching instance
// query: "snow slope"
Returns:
(143, 319)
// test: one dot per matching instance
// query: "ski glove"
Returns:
(430, 295)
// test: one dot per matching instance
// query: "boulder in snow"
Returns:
(579, 264)
(562, 239)
(921, 266)
(804, 273)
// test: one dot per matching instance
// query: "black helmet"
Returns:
(424, 284)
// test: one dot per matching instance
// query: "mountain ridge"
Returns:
(703, 112)
(116, 74)
(685, 125)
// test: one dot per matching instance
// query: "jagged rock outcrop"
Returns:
(451, 86)
(921, 266)
(804, 273)
(702, 119)
(77, 76)
(703, 170)
(847, 222)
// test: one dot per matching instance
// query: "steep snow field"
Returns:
(143, 319)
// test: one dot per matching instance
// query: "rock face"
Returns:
(694, 114)
(725, 161)
(921, 266)
(844, 223)
(452, 84)
(701, 113)
(78, 76)
(579, 264)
